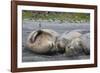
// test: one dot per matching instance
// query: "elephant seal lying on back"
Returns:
(42, 41)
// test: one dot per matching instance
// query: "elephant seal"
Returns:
(42, 41)
(78, 46)
(65, 39)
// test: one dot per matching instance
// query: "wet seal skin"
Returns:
(42, 41)
(65, 39)
(47, 41)
(78, 45)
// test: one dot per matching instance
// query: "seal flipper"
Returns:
(35, 36)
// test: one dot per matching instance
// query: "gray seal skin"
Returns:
(65, 39)
(85, 41)
(78, 45)
(42, 41)
(74, 47)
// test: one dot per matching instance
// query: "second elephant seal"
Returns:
(65, 39)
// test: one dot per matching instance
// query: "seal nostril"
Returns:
(68, 47)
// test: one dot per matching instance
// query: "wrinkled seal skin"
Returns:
(85, 41)
(66, 39)
(74, 47)
(78, 45)
(42, 41)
